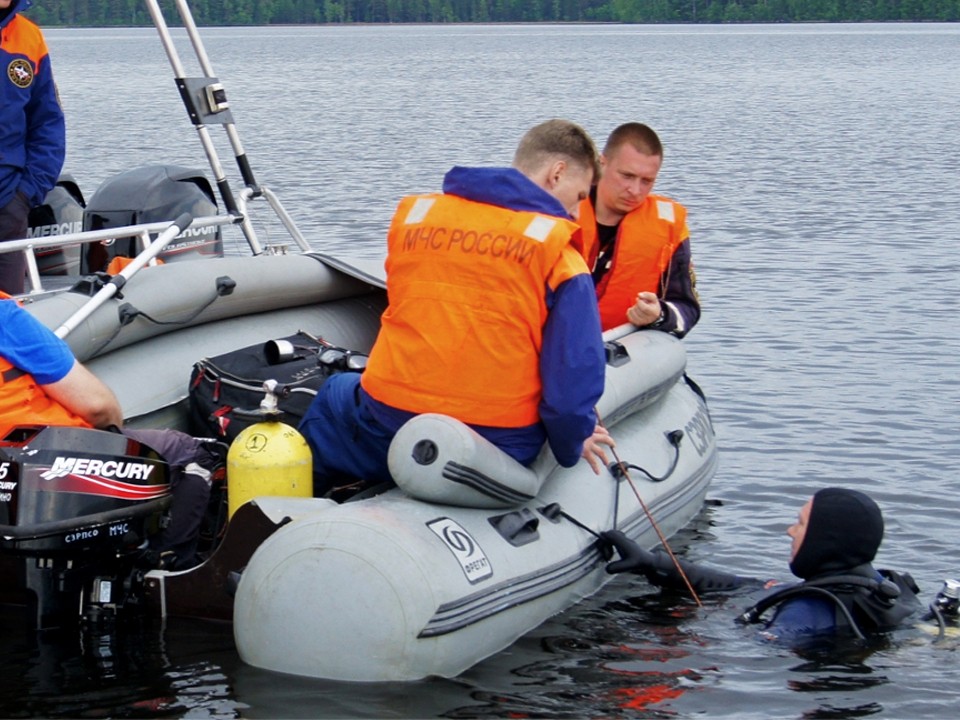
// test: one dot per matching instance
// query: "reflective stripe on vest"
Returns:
(646, 240)
(462, 334)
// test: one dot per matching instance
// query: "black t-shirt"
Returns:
(606, 237)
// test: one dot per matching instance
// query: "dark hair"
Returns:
(556, 139)
(641, 137)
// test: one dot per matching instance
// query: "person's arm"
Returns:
(660, 569)
(679, 310)
(84, 394)
(29, 345)
(572, 372)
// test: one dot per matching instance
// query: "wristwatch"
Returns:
(660, 320)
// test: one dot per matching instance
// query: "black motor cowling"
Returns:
(60, 213)
(152, 193)
(76, 506)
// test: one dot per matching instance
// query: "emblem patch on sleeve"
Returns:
(20, 73)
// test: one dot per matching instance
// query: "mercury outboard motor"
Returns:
(60, 213)
(76, 509)
(152, 193)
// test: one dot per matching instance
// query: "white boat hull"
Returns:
(413, 582)
(394, 588)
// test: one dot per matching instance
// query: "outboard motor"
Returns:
(60, 213)
(76, 508)
(152, 193)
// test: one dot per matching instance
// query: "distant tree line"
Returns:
(274, 12)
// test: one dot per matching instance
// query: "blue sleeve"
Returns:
(46, 136)
(681, 302)
(30, 346)
(572, 367)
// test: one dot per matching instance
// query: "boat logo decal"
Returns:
(6, 486)
(465, 549)
(90, 476)
(700, 431)
(55, 229)
(20, 73)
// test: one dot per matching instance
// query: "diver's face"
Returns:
(798, 530)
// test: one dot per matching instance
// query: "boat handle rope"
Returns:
(553, 511)
(624, 472)
(673, 437)
(127, 312)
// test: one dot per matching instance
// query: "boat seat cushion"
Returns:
(440, 459)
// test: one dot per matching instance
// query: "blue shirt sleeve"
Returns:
(572, 367)
(29, 345)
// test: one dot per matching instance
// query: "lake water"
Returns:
(821, 168)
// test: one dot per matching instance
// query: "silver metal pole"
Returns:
(208, 147)
(117, 282)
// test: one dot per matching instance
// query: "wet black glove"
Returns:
(660, 569)
(633, 558)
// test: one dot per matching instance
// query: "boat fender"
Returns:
(440, 459)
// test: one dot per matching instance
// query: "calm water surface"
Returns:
(820, 166)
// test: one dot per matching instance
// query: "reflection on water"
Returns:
(134, 669)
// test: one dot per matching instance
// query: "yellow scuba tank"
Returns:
(268, 458)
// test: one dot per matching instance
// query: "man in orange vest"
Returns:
(636, 243)
(42, 383)
(492, 319)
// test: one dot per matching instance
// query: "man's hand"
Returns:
(593, 448)
(645, 311)
(633, 558)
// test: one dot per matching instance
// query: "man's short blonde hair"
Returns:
(553, 140)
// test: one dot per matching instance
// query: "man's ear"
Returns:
(556, 172)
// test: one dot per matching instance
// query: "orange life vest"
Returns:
(467, 283)
(646, 240)
(23, 402)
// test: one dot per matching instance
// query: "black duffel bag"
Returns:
(226, 390)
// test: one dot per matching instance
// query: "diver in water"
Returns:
(834, 541)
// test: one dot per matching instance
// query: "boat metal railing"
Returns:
(206, 103)
(115, 284)
(205, 100)
(143, 232)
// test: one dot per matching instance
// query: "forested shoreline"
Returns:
(87, 13)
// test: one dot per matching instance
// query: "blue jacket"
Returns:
(571, 358)
(32, 130)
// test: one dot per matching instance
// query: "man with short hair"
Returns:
(833, 544)
(636, 243)
(32, 132)
(492, 319)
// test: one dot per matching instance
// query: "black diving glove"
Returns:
(633, 558)
(660, 569)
